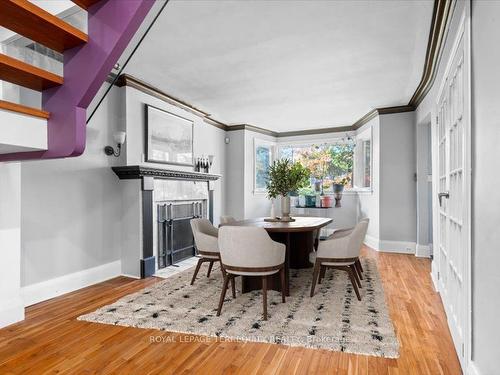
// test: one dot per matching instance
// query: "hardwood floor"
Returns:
(51, 340)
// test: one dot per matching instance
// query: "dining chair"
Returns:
(206, 241)
(227, 220)
(249, 251)
(340, 253)
(342, 233)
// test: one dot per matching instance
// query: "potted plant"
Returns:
(309, 196)
(285, 177)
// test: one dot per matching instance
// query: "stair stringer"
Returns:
(111, 26)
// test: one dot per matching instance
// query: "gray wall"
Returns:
(485, 197)
(397, 184)
(72, 213)
(70, 209)
(235, 174)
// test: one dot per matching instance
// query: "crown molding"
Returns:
(439, 26)
(441, 16)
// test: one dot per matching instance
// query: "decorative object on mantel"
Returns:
(119, 138)
(204, 163)
(285, 177)
(333, 319)
(138, 171)
(338, 188)
(169, 138)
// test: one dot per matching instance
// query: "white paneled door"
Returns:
(453, 189)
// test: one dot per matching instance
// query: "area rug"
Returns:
(333, 319)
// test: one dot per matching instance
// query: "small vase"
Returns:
(285, 207)
(273, 213)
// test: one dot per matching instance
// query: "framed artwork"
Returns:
(169, 138)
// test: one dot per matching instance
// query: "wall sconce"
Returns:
(119, 138)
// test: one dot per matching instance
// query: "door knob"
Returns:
(445, 194)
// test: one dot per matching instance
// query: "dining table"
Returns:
(300, 237)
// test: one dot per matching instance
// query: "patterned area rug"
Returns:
(333, 319)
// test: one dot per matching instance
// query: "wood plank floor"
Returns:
(51, 340)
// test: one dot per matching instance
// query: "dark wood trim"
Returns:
(25, 110)
(23, 74)
(253, 129)
(253, 269)
(138, 171)
(338, 129)
(31, 21)
(443, 10)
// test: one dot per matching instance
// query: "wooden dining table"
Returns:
(299, 236)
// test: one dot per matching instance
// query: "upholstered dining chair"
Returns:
(342, 233)
(206, 241)
(227, 220)
(340, 253)
(249, 251)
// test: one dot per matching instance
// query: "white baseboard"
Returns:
(372, 242)
(45, 290)
(434, 282)
(472, 369)
(403, 247)
(13, 312)
(423, 251)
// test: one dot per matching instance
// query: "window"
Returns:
(363, 160)
(329, 163)
(263, 158)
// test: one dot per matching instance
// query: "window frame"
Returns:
(259, 142)
(361, 138)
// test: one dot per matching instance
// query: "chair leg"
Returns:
(198, 265)
(356, 276)
(264, 295)
(315, 276)
(358, 263)
(322, 272)
(210, 268)
(353, 281)
(223, 293)
(358, 270)
(233, 286)
(282, 277)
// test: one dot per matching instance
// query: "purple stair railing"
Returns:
(111, 26)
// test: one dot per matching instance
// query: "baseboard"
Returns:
(434, 282)
(423, 251)
(12, 313)
(402, 247)
(45, 290)
(472, 369)
(372, 242)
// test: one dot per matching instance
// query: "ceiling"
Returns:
(287, 65)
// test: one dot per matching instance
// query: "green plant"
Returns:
(306, 191)
(285, 177)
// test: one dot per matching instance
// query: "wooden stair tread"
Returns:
(23, 74)
(85, 4)
(28, 20)
(19, 108)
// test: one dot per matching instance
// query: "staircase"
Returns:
(58, 129)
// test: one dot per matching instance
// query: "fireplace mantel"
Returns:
(138, 171)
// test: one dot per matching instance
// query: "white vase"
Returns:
(285, 207)
(273, 213)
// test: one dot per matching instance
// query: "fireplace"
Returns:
(158, 207)
(175, 237)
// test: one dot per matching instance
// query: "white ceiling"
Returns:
(287, 65)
